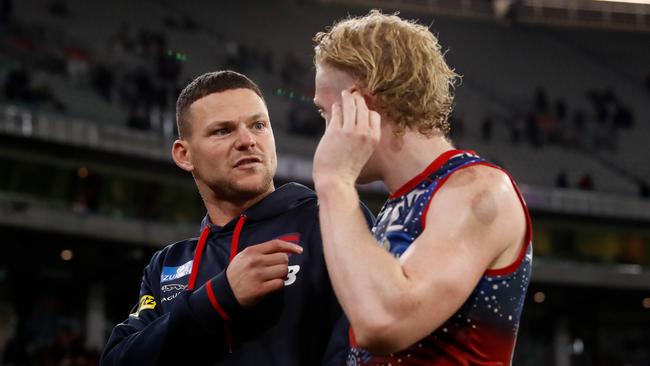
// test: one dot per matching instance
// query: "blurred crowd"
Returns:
(136, 71)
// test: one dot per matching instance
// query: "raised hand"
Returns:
(350, 138)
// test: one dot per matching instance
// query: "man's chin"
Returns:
(243, 189)
(252, 190)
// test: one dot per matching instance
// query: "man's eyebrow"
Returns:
(218, 123)
(257, 116)
(215, 124)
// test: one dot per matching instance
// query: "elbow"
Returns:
(379, 337)
(382, 330)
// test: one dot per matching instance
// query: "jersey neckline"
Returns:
(435, 165)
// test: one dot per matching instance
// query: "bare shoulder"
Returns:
(481, 189)
(481, 202)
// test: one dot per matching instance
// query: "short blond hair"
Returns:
(400, 62)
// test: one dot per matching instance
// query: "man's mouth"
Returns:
(247, 161)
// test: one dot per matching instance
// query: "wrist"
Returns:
(335, 190)
(332, 184)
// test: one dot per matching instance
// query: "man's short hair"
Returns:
(398, 61)
(206, 84)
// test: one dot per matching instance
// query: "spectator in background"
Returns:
(623, 117)
(586, 182)
(77, 64)
(102, 79)
(562, 181)
(533, 131)
(486, 129)
(16, 86)
(517, 126)
(139, 118)
(579, 125)
(293, 71)
(541, 100)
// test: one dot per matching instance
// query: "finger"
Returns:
(362, 110)
(337, 116)
(275, 258)
(349, 110)
(278, 245)
(271, 285)
(278, 271)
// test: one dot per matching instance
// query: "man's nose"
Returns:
(245, 138)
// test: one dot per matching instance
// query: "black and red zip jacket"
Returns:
(187, 313)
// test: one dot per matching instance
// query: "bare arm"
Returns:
(475, 222)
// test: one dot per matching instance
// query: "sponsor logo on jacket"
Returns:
(169, 298)
(173, 287)
(172, 273)
(147, 302)
(292, 275)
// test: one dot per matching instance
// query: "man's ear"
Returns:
(371, 101)
(181, 155)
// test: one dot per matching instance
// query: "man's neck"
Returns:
(409, 154)
(221, 211)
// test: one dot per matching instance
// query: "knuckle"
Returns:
(255, 261)
(256, 274)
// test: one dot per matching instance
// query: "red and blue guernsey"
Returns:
(484, 330)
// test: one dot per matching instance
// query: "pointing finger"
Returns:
(277, 245)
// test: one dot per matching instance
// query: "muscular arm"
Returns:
(475, 222)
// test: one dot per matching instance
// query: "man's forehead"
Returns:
(331, 77)
(235, 100)
(225, 108)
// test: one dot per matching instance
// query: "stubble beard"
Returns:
(230, 189)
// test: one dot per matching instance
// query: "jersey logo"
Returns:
(173, 287)
(291, 276)
(147, 302)
(172, 273)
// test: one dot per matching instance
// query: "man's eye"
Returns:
(259, 125)
(221, 131)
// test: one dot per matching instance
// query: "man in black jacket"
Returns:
(253, 289)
